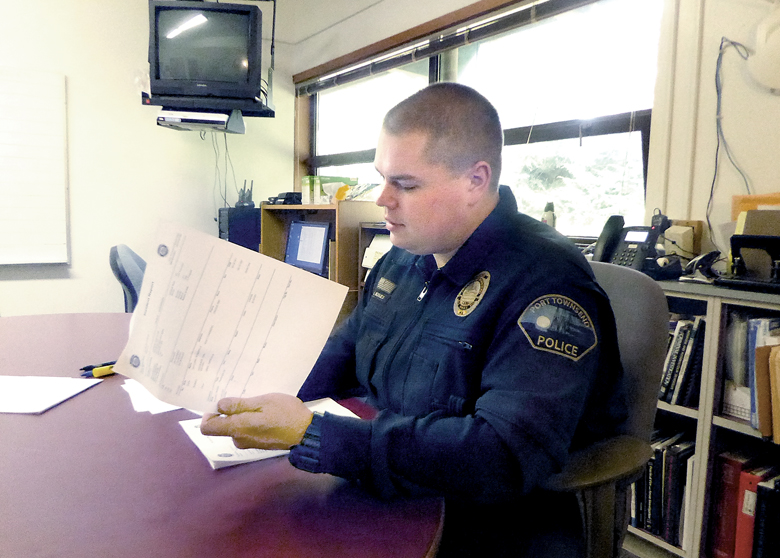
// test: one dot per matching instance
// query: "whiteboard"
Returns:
(33, 168)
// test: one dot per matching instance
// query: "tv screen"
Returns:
(205, 49)
(307, 246)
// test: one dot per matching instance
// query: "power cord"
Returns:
(677, 245)
(721, 138)
(220, 181)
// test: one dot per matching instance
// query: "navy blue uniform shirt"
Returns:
(486, 372)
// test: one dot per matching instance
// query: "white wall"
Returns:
(374, 22)
(684, 134)
(125, 172)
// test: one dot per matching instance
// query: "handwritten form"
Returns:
(215, 320)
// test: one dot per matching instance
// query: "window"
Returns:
(349, 117)
(574, 90)
(582, 66)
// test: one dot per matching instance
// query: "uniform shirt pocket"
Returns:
(444, 372)
(373, 332)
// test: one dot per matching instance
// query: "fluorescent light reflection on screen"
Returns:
(199, 19)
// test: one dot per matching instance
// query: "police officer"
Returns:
(482, 339)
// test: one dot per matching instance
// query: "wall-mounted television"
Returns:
(205, 50)
(307, 246)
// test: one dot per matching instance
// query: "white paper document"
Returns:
(143, 401)
(221, 452)
(217, 320)
(36, 394)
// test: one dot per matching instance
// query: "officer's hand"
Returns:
(272, 421)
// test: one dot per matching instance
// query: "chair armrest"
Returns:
(607, 461)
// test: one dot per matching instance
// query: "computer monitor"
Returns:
(307, 246)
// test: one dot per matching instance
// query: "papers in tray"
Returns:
(36, 394)
(221, 452)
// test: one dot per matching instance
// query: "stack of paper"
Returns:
(36, 394)
(221, 452)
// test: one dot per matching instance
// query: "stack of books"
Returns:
(746, 508)
(752, 383)
(660, 499)
(682, 368)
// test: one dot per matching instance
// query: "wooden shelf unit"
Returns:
(345, 218)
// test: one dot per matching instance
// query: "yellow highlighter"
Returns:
(101, 371)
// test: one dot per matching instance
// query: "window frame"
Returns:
(432, 40)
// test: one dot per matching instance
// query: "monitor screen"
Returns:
(205, 49)
(307, 246)
(210, 46)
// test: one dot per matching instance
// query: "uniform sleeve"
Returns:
(533, 392)
(333, 375)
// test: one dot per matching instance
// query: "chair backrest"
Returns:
(128, 268)
(601, 474)
(642, 318)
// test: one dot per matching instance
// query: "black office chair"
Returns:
(128, 268)
(601, 475)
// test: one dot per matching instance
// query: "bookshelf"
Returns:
(345, 218)
(714, 431)
(368, 230)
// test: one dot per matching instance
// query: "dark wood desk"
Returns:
(93, 478)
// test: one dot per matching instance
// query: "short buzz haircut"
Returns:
(463, 128)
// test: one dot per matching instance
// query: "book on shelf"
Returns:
(736, 348)
(674, 356)
(746, 508)
(676, 458)
(736, 391)
(691, 388)
(641, 492)
(766, 535)
(690, 366)
(654, 488)
(760, 332)
(687, 512)
(726, 476)
(762, 391)
(774, 387)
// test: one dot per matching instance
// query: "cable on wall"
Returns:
(743, 52)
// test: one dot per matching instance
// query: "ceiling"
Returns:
(297, 20)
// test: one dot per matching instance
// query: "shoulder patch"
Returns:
(557, 324)
(471, 295)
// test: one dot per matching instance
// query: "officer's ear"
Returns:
(479, 176)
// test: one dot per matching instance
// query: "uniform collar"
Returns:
(472, 257)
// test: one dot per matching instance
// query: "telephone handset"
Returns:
(627, 246)
(608, 239)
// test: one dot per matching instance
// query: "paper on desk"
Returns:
(221, 452)
(36, 394)
(215, 320)
(143, 401)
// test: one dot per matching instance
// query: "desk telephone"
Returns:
(634, 247)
